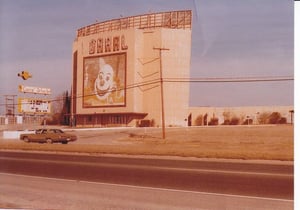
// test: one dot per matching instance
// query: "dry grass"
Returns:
(236, 142)
(263, 142)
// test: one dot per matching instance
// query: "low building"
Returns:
(240, 115)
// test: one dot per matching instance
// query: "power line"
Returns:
(188, 80)
(135, 85)
(231, 79)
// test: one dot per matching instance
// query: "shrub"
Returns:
(235, 121)
(199, 120)
(248, 121)
(226, 122)
(282, 120)
(263, 118)
(54, 120)
(275, 118)
(145, 123)
(214, 121)
(271, 118)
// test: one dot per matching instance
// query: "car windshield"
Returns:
(38, 131)
(57, 131)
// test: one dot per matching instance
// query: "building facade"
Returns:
(128, 70)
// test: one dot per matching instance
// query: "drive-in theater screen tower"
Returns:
(119, 66)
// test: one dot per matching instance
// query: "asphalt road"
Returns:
(33, 192)
(264, 180)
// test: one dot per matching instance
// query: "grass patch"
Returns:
(233, 142)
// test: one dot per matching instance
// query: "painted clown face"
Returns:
(104, 83)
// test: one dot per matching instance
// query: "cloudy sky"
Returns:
(230, 38)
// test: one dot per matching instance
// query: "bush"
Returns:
(263, 118)
(199, 120)
(271, 118)
(234, 121)
(145, 123)
(226, 122)
(230, 119)
(248, 121)
(275, 118)
(54, 120)
(214, 121)
(282, 120)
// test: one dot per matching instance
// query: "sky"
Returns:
(230, 38)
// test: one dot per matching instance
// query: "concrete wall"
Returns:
(15, 134)
(175, 58)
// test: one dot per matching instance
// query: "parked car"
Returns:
(48, 136)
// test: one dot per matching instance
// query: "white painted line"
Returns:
(150, 188)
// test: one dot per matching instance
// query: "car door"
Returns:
(54, 135)
(38, 136)
(62, 136)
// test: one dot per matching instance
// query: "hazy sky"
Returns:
(230, 38)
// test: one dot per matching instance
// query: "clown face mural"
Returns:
(104, 84)
(104, 81)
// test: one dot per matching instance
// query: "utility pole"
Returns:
(292, 116)
(10, 104)
(162, 91)
(10, 107)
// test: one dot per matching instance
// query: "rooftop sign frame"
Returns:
(173, 19)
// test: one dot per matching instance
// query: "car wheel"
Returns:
(64, 142)
(49, 141)
(26, 139)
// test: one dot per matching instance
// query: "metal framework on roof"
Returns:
(172, 19)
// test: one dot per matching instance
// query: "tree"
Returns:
(226, 116)
(214, 121)
(271, 118)
(60, 109)
(263, 118)
(199, 120)
(230, 119)
(248, 121)
(276, 118)
(235, 121)
(66, 109)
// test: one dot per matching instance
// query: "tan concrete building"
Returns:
(123, 67)
(238, 115)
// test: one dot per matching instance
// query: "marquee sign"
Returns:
(37, 106)
(35, 90)
(107, 44)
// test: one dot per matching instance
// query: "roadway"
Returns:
(261, 181)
